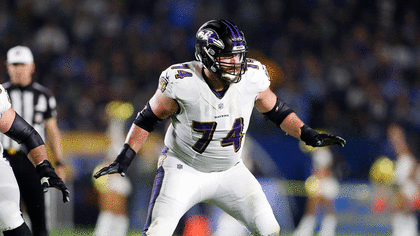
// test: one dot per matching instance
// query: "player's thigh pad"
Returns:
(240, 195)
(178, 193)
(10, 215)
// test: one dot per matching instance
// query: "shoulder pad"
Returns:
(257, 70)
(176, 76)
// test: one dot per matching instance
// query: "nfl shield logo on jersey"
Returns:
(179, 166)
(220, 106)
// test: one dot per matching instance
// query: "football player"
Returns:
(210, 102)
(37, 105)
(15, 127)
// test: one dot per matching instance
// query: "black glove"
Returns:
(50, 179)
(120, 165)
(315, 139)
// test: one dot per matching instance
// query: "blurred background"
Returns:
(349, 67)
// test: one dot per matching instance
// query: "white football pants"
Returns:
(10, 215)
(178, 187)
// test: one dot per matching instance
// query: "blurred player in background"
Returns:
(210, 102)
(114, 190)
(15, 127)
(37, 105)
(404, 221)
(322, 188)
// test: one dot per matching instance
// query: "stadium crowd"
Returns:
(349, 66)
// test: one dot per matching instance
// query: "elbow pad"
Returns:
(146, 119)
(24, 134)
(279, 112)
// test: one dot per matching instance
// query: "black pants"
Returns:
(30, 191)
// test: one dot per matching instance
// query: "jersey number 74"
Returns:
(234, 136)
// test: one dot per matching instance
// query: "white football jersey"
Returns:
(208, 132)
(4, 106)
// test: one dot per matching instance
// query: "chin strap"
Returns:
(231, 78)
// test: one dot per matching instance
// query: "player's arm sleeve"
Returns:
(20, 130)
(23, 133)
(279, 112)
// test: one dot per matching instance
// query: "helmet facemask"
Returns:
(227, 71)
(231, 71)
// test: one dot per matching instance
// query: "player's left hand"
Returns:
(329, 140)
(50, 179)
(315, 139)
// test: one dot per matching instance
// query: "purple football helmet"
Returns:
(221, 38)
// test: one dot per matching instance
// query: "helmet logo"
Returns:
(211, 37)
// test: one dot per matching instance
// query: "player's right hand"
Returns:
(120, 165)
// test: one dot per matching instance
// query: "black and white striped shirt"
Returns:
(35, 103)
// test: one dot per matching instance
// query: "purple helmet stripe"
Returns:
(237, 31)
(232, 32)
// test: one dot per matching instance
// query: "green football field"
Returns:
(88, 232)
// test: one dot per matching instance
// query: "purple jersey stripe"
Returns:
(237, 31)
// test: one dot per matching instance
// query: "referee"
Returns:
(37, 105)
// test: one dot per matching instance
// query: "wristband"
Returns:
(309, 136)
(126, 155)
